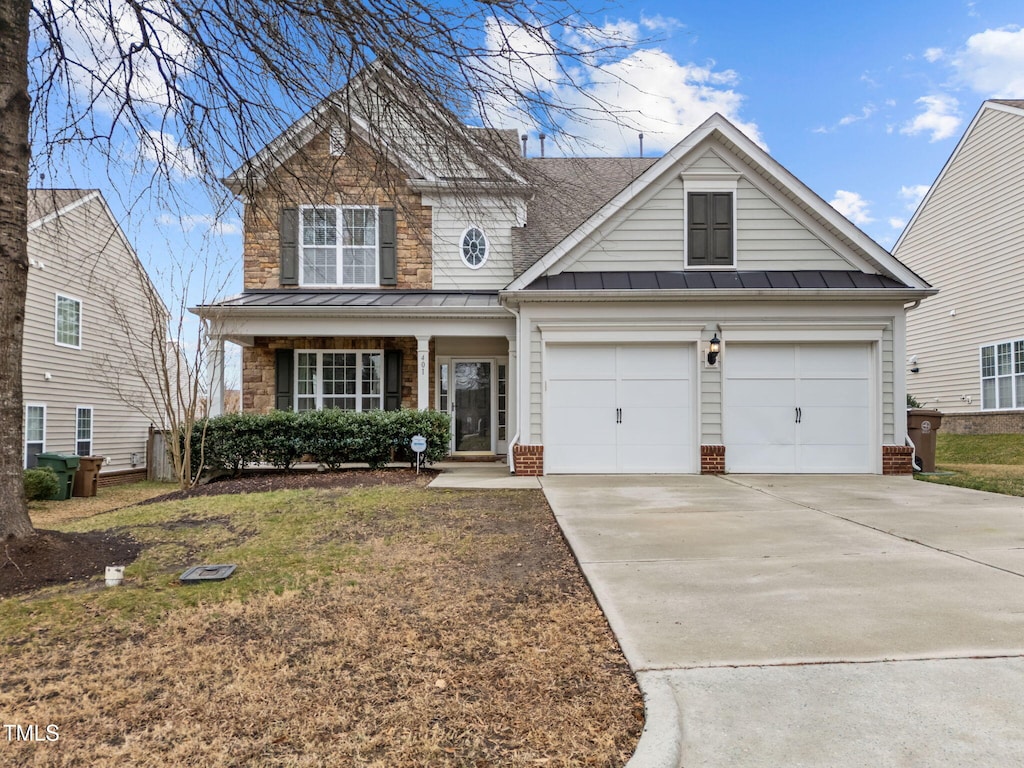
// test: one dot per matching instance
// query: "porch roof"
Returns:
(714, 280)
(334, 298)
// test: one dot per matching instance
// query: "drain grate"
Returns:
(198, 573)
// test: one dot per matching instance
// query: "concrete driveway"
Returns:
(811, 620)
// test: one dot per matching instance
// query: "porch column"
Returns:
(423, 372)
(215, 362)
(511, 399)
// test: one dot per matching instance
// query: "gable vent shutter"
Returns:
(388, 250)
(392, 379)
(284, 378)
(289, 234)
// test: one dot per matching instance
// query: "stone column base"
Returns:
(712, 459)
(897, 460)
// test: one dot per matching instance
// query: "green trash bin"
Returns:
(65, 465)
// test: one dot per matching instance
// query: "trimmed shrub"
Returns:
(328, 436)
(41, 483)
(281, 445)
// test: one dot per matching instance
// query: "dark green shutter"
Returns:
(392, 379)
(388, 249)
(284, 380)
(289, 236)
(709, 229)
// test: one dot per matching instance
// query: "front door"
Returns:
(472, 406)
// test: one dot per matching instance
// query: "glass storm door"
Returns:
(472, 428)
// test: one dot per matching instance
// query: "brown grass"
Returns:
(49, 514)
(459, 633)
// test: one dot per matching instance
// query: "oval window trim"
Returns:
(474, 247)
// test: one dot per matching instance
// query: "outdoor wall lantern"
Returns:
(714, 347)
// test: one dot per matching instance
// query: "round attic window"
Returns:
(474, 248)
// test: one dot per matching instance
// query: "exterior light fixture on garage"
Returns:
(714, 347)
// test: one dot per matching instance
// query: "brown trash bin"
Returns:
(922, 424)
(87, 477)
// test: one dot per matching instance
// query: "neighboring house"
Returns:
(965, 347)
(89, 319)
(563, 310)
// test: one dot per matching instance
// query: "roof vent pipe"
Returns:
(542, 137)
(641, 145)
(523, 139)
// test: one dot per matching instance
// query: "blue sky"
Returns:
(864, 102)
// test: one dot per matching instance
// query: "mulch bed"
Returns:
(54, 557)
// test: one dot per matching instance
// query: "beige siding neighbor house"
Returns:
(965, 346)
(699, 312)
(89, 324)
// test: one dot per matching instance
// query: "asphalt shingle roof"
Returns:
(43, 202)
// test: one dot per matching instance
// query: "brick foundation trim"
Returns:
(712, 459)
(528, 459)
(897, 460)
(120, 477)
(983, 423)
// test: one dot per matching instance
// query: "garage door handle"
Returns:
(799, 415)
(618, 415)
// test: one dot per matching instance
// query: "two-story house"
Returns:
(965, 347)
(699, 312)
(91, 318)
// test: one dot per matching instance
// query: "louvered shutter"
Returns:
(392, 379)
(289, 238)
(284, 380)
(388, 247)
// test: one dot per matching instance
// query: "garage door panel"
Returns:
(580, 362)
(777, 362)
(573, 394)
(831, 458)
(832, 361)
(743, 457)
(581, 458)
(654, 426)
(653, 394)
(653, 362)
(762, 392)
(594, 426)
(834, 426)
(761, 426)
(668, 459)
(833, 392)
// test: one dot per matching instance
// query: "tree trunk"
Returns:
(14, 157)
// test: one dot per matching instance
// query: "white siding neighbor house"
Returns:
(965, 346)
(700, 312)
(89, 322)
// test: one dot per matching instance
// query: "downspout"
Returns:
(913, 448)
(519, 395)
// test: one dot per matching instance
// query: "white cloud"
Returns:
(163, 149)
(933, 54)
(208, 222)
(913, 194)
(897, 223)
(992, 62)
(642, 90)
(852, 206)
(865, 112)
(939, 118)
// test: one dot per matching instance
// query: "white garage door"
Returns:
(798, 408)
(618, 409)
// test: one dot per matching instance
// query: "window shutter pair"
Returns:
(709, 229)
(289, 244)
(284, 379)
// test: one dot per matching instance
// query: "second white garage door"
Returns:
(798, 408)
(618, 409)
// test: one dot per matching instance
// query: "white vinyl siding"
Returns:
(82, 248)
(347, 380)
(650, 233)
(68, 322)
(451, 218)
(35, 433)
(339, 246)
(968, 241)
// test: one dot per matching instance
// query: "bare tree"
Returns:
(197, 86)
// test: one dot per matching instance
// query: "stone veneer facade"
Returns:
(258, 390)
(312, 176)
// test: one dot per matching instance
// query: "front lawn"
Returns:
(983, 462)
(380, 624)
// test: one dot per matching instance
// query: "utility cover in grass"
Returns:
(199, 573)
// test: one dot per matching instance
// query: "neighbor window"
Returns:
(1002, 375)
(474, 247)
(68, 331)
(350, 381)
(83, 432)
(339, 246)
(35, 433)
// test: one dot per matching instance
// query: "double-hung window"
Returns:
(35, 433)
(339, 246)
(351, 381)
(83, 431)
(1002, 375)
(68, 324)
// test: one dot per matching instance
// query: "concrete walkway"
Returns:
(484, 474)
(809, 620)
